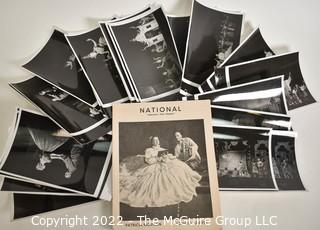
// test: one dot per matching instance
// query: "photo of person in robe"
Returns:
(162, 180)
(186, 150)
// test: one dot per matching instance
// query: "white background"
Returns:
(287, 25)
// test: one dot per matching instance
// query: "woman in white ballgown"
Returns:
(163, 180)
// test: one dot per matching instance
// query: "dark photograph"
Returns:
(83, 122)
(28, 205)
(243, 158)
(296, 91)
(264, 95)
(213, 35)
(179, 27)
(252, 48)
(98, 65)
(163, 170)
(284, 161)
(57, 64)
(147, 41)
(118, 61)
(41, 152)
(11, 184)
(222, 115)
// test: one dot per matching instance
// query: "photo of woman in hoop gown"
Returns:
(160, 180)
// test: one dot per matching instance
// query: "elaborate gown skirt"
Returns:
(158, 184)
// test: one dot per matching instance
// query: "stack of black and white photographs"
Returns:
(256, 158)
(213, 35)
(83, 122)
(265, 95)
(147, 53)
(78, 78)
(40, 152)
(91, 50)
(253, 47)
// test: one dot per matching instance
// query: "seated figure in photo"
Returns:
(186, 150)
(162, 180)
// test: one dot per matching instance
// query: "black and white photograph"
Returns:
(17, 185)
(26, 205)
(243, 158)
(97, 63)
(284, 161)
(57, 64)
(38, 150)
(223, 115)
(265, 95)
(296, 91)
(179, 26)
(163, 169)
(146, 40)
(83, 122)
(118, 61)
(253, 47)
(213, 35)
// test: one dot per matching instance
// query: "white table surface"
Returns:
(287, 25)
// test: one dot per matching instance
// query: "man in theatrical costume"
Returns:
(186, 150)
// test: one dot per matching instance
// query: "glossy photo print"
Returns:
(264, 95)
(296, 91)
(179, 26)
(222, 115)
(94, 56)
(284, 161)
(213, 35)
(26, 205)
(18, 185)
(118, 61)
(146, 40)
(38, 150)
(253, 47)
(57, 64)
(83, 122)
(243, 158)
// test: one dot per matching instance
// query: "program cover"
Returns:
(164, 172)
